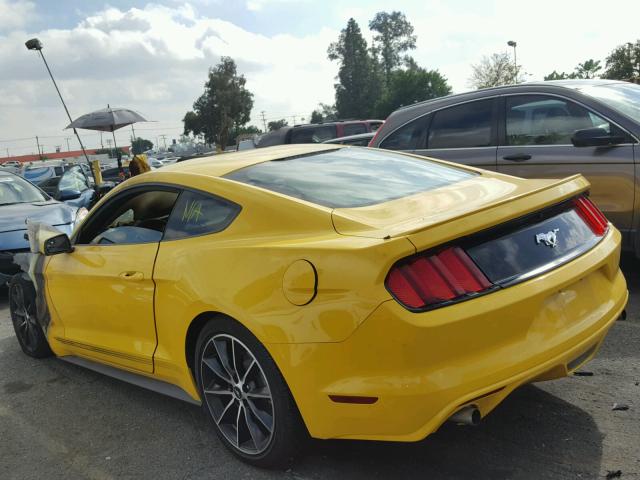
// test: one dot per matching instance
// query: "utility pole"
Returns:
(35, 44)
(264, 121)
(8, 153)
(68, 147)
(101, 144)
(38, 143)
(513, 44)
(164, 140)
(293, 117)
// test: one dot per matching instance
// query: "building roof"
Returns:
(54, 155)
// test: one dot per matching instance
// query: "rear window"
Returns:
(313, 134)
(348, 178)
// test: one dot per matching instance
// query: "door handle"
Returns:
(131, 276)
(517, 157)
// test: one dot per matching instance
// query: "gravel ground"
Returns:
(59, 421)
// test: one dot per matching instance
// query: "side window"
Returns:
(464, 126)
(354, 129)
(131, 217)
(374, 126)
(199, 214)
(313, 134)
(407, 136)
(543, 120)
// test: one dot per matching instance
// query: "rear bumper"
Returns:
(423, 367)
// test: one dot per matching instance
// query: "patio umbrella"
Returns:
(108, 120)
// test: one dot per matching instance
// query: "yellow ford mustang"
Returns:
(342, 292)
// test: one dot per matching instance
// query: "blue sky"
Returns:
(154, 56)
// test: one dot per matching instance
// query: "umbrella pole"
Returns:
(118, 157)
(70, 119)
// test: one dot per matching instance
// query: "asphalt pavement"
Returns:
(59, 421)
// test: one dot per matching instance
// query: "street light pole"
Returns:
(513, 44)
(35, 44)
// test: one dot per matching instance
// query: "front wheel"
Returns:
(22, 305)
(245, 395)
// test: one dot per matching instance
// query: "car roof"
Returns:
(219, 165)
(357, 136)
(572, 84)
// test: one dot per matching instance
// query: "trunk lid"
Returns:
(437, 216)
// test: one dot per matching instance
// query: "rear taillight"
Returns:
(376, 135)
(591, 215)
(428, 280)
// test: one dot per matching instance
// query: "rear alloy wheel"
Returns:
(245, 395)
(22, 305)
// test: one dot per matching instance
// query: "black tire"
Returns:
(22, 305)
(288, 432)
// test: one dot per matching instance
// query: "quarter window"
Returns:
(543, 120)
(131, 217)
(198, 214)
(406, 137)
(463, 126)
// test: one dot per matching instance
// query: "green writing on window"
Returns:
(192, 212)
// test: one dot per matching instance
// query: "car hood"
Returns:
(13, 217)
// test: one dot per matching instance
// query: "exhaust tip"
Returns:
(469, 415)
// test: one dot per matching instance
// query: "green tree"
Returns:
(623, 63)
(558, 76)
(588, 69)
(242, 133)
(409, 86)
(225, 105)
(140, 145)
(497, 69)
(585, 70)
(394, 35)
(324, 113)
(277, 124)
(316, 117)
(353, 97)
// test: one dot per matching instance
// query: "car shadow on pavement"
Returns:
(532, 434)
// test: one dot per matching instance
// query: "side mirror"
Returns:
(68, 194)
(594, 137)
(56, 244)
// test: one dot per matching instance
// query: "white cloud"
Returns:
(15, 14)
(155, 60)
(257, 5)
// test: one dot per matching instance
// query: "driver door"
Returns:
(103, 291)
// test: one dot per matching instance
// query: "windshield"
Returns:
(14, 189)
(349, 177)
(624, 97)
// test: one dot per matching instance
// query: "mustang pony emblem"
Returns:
(550, 238)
